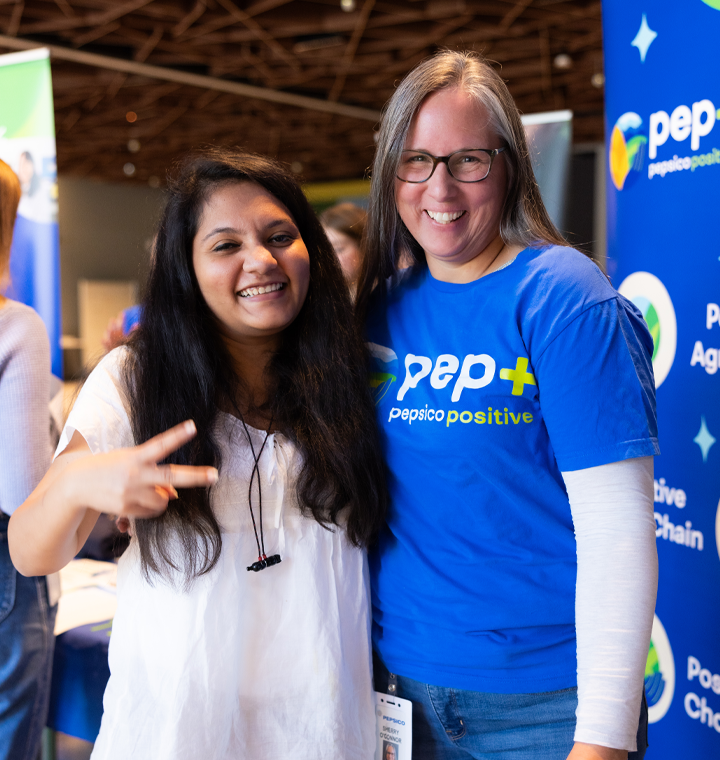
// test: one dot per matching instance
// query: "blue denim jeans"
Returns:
(26, 653)
(455, 724)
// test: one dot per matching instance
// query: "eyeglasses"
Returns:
(464, 165)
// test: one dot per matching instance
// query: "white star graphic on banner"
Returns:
(704, 439)
(644, 38)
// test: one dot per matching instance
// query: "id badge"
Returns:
(53, 588)
(394, 727)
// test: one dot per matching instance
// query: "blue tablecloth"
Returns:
(80, 674)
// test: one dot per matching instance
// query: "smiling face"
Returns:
(456, 223)
(251, 264)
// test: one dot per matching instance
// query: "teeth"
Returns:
(261, 290)
(444, 217)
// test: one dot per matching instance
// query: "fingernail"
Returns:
(173, 493)
(212, 475)
(190, 427)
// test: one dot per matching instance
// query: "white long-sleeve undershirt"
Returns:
(612, 510)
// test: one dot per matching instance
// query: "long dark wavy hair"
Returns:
(179, 368)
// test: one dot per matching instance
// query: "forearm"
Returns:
(53, 523)
(612, 509)
(582, 751)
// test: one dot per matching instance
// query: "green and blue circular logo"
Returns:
(659, 673)
(627, 150)
(383, 370)
(654, 681)
(713, 4)
(652, 320)
(648, 293)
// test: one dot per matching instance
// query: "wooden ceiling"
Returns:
(549, 52)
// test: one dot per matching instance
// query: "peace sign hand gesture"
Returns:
(53, 523)
(130, 482)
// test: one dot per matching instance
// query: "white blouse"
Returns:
(270, 665)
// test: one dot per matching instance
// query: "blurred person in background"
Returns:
(27, 614)
(344, 224)
(120, 327)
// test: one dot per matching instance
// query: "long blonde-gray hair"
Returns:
(524, 219)
(9, 200)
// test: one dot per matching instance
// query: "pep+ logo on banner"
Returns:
(648, 293)
(659, 673)
(629, 140)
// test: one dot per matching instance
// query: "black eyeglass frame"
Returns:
(492, 152)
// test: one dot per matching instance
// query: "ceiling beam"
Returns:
(193, 80)
(512, 14)
(93, 19)
(185, 23)
(14, 23)
(350, 50)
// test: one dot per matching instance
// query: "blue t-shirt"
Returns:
(485, 392)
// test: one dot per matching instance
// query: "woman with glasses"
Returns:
(514, 583)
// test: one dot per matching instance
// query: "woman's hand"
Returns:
(53, 523)
(129, 482)
(596, 752)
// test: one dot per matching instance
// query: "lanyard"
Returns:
(263, 560)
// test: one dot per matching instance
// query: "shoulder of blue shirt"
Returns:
(555, 269)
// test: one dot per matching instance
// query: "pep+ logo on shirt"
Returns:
(384, 370)
(475, 371)
(454, 376)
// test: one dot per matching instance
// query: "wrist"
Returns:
(597, 752)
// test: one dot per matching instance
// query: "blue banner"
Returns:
(662, 98)
(27, 144)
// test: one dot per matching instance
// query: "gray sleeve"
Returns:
(24, 397)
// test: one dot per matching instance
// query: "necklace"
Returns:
(263, 560)
(494, 258)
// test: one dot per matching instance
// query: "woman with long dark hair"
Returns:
(236, 432)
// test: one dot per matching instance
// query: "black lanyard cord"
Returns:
(263, 560)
